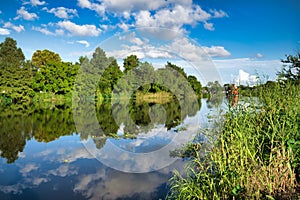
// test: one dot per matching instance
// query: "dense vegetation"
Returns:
(47, 78)
(254, 150)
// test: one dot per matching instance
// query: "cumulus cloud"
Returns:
(173, 19)
(62, 12)
(28, 168)
(37, 2)
(99, 8)
(64, 170)
(216, 51)
(218, 14)
(19, 28)
(43, 30)
(132, 38)
(245, 78)
(4, 31)
(84, 42)
(259, 55)
(171, 14)
(24, 14)
(79, 30)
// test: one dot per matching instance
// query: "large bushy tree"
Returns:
(42, 58)
(15, 73)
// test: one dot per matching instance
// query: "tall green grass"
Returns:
(256, 155)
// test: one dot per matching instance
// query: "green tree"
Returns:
(195, 84)
(130, 63)
(109, 78)
(15, 73)
(41, 58)
(291, 68)
(56, 77)
(175, 67)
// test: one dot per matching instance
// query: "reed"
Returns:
(256, 155)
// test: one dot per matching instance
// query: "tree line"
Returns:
(22, 80)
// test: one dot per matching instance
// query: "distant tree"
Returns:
(195, 84)
(41, 58)
(175, 67)
(130, 63)
(11, 57)
(109, 78)
(291, 69)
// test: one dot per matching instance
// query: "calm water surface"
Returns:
(44, 157)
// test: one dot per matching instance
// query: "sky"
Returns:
(237, 40)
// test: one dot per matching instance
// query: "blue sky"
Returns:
(242, 38)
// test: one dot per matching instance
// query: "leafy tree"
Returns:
(291, 69)
(41, 58)
(195, 84)
(130, 63)
(109, 78)
(11, 57)
(175, 67)
(15, 73)
(56, 77)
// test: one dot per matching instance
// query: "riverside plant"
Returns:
(256, 155)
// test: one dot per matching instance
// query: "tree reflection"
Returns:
(18, 125)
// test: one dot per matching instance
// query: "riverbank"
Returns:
(256, 155)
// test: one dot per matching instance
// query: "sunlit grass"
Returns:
(256, 155)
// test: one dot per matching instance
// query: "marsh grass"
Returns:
(256, 155)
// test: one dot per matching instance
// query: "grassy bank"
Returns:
(256, 155)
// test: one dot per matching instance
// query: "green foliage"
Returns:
(256, 155)
(15, 74)
(11, 57)
(19, 126)
(130, 63)
(291, 69)
(55, 77)
(41, 58)
(176, 68)
(195, 84)
(109, 78)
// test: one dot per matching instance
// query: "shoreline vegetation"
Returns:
(252, 153)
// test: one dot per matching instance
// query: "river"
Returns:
(44, 156)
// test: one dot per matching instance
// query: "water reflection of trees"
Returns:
(45, 125)
(19, 126)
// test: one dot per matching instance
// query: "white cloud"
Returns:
(173, 18)
(38, 181)
(123, 26)
(245, 78)
(43, 30)
(64, 170)
(259, 55)
(19, 28)
(37, 2)
(99, 8)
(209, 26)
(28, 168)
(132, 39)
(216, 51)
(62, 12)
(4, 31)
(218, 14)
(59, 32)
(79, 30)
(22, 13)
(84, 42)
